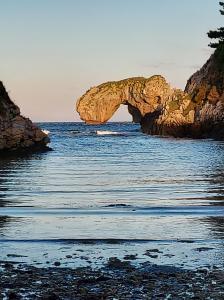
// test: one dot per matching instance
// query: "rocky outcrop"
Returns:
(140, 94)
(16, 132)
(197, 112)
(206, 89)
(151, 101)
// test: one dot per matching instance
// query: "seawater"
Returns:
(110, 190)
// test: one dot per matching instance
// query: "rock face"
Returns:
(151, 101)
(140, 94)
(16, 132)
(197, 112)
(206, 89)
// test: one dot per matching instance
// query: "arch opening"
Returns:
(122, 114)
(126, 113)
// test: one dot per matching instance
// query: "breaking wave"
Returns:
(46, 131)
(108, 132)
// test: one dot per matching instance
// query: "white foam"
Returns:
(46, 131)
(107, 132)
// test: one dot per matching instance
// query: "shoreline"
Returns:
(117, 279)
(183, 254)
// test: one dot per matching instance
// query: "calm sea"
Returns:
(110, 190)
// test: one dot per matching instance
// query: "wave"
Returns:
(119, 205)
(117, 209)
(108, 132)
(92, 241)
(46, 131)
(72, 131)
(98, 133)
(95, 133)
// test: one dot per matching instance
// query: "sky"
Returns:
(52, 51)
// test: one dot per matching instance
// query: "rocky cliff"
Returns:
(196, 112)
(206, 89)
(16, 132)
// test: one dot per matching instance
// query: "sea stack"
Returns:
(17, 133)
(197, 112)
(151, 101)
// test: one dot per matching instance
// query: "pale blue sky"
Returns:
(52, 51)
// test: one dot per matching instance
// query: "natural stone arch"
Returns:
(151, 101)
(121, 115)
(141, 95)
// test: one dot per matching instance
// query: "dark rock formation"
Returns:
(161, 110)
(16, 132)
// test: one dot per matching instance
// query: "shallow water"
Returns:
(121, 189)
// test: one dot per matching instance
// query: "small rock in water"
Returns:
(8, 265)
(130, 256)
(116, 263)
(154, 250)
(57, 263)
(16, 255)
(169, 255)
(13, 295)
(200, 249)
(51, 296)
(149, 253)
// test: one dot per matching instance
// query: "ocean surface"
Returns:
(110, 190)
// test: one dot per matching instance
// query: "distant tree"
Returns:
(219, 33)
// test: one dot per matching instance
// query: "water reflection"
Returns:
(217, 186)
(106, 170)
(216, 189)
(8, 167)
(5, 166)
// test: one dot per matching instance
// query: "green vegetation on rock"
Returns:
(217, 34)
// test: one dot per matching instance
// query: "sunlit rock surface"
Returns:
(151, 102)
(197, 112)
(206, 89)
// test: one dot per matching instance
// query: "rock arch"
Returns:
(159, 108)
(141, 95)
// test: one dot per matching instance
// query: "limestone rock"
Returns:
(17, 133)
(206, 89)
(197, 112)
(140, 94)
(149, 100)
